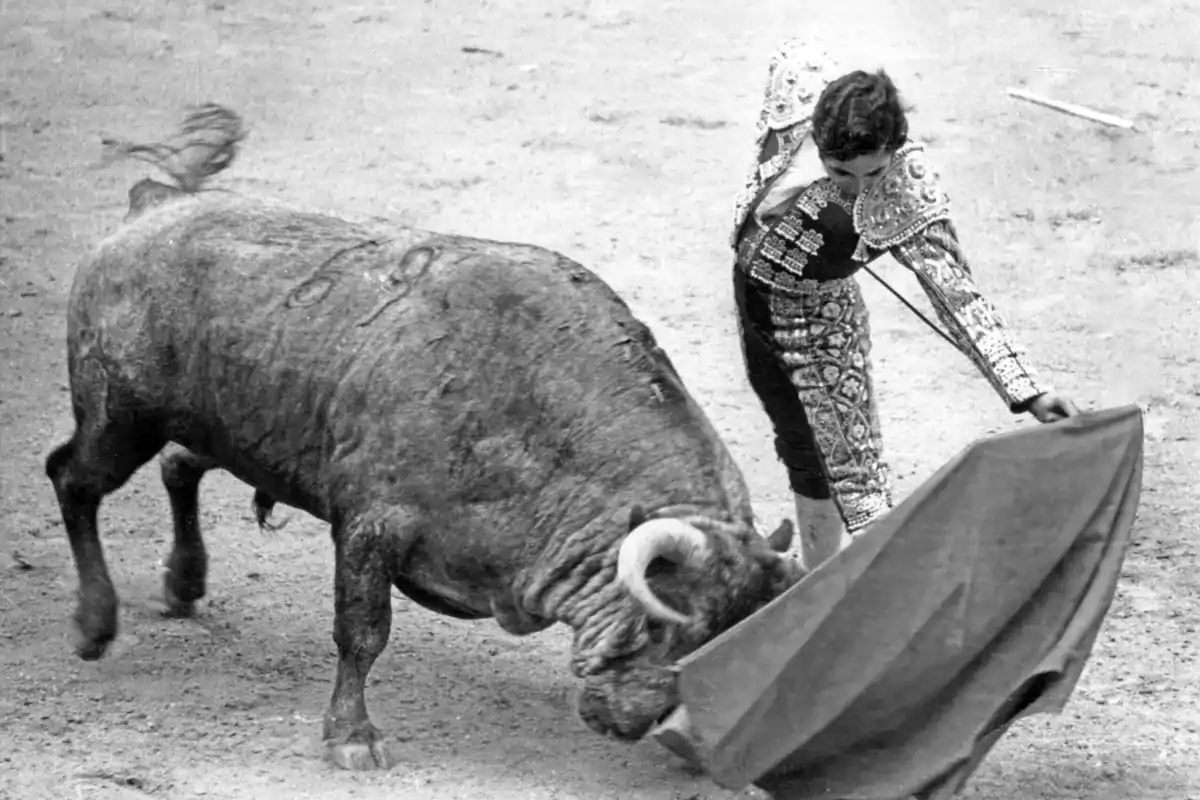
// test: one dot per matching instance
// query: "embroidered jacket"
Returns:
(907, 212)
(826, 236)
(975, 324)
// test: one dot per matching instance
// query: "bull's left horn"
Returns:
(672, 539)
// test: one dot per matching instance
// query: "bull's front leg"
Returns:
(362, 623)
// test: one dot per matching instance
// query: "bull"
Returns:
(484, 426)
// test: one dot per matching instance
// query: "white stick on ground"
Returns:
(1071, 108)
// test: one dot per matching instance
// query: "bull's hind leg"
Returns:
(362, 623)
(187, 565)
(100, 457)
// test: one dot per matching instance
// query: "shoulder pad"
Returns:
(797, 74)
(905, 200)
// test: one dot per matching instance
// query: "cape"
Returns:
(892, 669)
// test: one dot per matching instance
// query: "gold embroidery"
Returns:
(784, 229)
(979, 329)
(810, 242)
(902, 203)
(820, 194)
(794, 262)
(797, 73)
(781, 280)
(788, 245)
(822, 338)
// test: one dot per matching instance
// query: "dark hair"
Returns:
(859, 114)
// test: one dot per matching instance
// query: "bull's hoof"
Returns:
(361, 756)
(95, 622)
(88, 648)
(359, 749)
(184, 575)
(176, 607)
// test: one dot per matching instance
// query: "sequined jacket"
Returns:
(825, 235)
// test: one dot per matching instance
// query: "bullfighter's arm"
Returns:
(907, 214)
(974, 323)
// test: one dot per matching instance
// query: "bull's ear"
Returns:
(781, 538)
(637, 515)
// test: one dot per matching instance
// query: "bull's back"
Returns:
(211, 289)
(304, 349)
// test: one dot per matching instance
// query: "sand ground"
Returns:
(616, 132)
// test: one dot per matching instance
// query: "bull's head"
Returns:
(689, 579)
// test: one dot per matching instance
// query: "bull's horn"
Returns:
(672, 539)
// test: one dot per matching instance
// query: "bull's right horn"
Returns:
(672, 539)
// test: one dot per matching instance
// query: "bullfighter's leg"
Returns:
(99, 458)
(832, 378)
(808, 358)
(821, 533)
(361, 626)
(187, 565)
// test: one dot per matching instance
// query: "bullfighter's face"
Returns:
(857, 175)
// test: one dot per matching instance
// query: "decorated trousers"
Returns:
(807, 355)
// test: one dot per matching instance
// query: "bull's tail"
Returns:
(263, 504)
(205, 144)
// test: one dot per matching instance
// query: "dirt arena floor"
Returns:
(616, 132)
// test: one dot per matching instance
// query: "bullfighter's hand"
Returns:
(1052, 407)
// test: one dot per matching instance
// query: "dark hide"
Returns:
(474, 419)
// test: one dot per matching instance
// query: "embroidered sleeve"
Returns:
(796, 76)
(797, 73)
(973, 322)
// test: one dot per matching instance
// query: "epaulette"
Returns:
(905, 200)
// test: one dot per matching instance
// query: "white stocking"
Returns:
(822, 533)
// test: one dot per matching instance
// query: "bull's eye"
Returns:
(656, 630)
